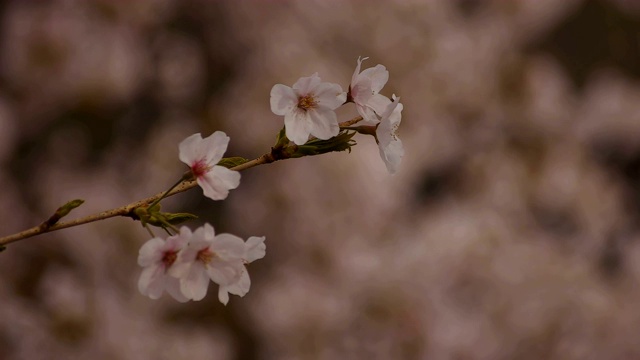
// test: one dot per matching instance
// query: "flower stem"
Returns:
(156, 201)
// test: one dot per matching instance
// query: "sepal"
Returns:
(343, 141)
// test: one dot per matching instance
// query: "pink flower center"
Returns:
(307, 102)
(199, 168)
(205, 256)
(169, 258)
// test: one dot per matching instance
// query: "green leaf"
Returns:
(232, 161)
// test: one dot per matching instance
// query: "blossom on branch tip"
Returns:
(202, 155)
(364, 91)
(308, 108)
(391, 148)
(157, 257)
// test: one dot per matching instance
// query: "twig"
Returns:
(128, 210)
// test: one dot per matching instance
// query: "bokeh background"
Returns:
(510, 232)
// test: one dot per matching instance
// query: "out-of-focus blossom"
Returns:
(364, 90)
(202, 155)
(157, 256)
(308, 108)
(391, 149)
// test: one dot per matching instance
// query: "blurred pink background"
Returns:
(510, 232)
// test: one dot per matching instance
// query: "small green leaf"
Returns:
(232, 161)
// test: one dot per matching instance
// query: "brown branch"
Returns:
(128, 210)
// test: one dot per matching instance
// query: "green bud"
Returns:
(65, 209)
(281, 139)
(343, 141)
(178, 218)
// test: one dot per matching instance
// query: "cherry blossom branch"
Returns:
(128, 210)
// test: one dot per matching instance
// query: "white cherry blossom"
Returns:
(209, 256)
(391, 148)
(364, 91)
(308, 108)
(254, 249)
(157, 256)
(202, 155)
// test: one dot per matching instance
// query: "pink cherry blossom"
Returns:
(364, 90)
(202, 156)
(157, 256)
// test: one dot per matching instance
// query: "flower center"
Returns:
(307, 102)
(205, 256)
(169, 258)
(199, 168)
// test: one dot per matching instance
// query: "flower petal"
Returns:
(188, 149)
(298, 126)
(228, 247)
(240, 287)
(305, 85)
(213, 147)
(151, 282)
(194, 285)
(356, 72)
(172, 285)
(379, 103)
(390, 146)
(283, 99)
(223, 295)
(151, 252)
(329, 95)
(254, 249)
(379, 75)
(392, 155)
(225, 272)
(368, 115)
(216, 183)
(325, 123)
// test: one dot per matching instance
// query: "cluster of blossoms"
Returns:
(183, 263)
(309, 108)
